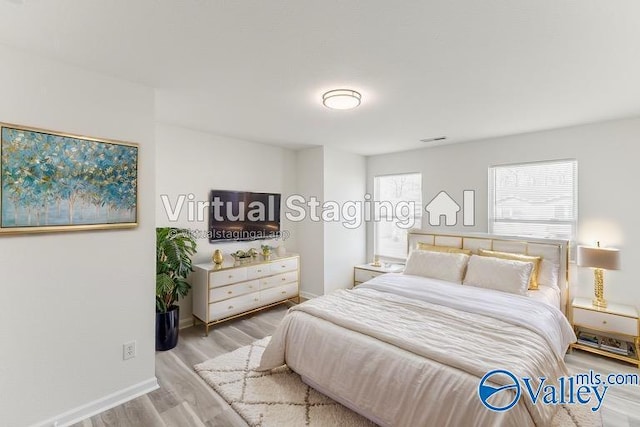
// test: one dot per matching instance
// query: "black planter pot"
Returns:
(167, 328)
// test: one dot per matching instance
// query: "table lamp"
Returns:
(599, 259)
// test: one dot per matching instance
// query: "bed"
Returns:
(407, 350)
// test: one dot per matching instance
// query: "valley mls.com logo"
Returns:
(486, 392)
(500, 390)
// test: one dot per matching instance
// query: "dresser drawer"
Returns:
(364, 275)
(284, 265)
(605, 322)
(257, 271)
(225, 277)
(279, 279)
(226, 308)
(230, 291)
(278, 293)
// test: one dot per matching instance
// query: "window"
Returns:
(397, 208)
(534, 199)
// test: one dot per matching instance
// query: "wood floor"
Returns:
(184, 400)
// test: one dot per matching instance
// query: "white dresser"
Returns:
(231, 289)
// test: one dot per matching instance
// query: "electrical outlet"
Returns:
(128, 350)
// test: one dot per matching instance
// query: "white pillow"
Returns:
(548, 274)
(500, 274)
(437, 265)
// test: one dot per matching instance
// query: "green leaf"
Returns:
(174, 249)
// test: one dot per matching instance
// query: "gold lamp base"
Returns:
(598, 288)
(376, 262)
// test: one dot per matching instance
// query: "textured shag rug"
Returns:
(279, 398)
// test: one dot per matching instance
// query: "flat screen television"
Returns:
(243, 215)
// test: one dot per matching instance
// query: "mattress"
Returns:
(403, 350)
(548, 295)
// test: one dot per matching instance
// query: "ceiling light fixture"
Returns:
(341, 99)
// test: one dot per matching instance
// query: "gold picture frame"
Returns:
(53, 182)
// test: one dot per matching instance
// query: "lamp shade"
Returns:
(597, 257)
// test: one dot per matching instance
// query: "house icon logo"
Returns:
(443, 205)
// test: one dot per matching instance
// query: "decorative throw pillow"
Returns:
(533, 283)
(437, 265)
(448, 249)
(548, 275)
(500, 274)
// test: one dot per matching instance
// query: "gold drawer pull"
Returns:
(259, 271)
(604, 322)
(284, 278)
(283, 266)
(255, 299)
(283, 292)
(230, 307)
(230, 292)
(250, 286)
(231, 276)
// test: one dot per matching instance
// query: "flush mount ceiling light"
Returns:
(341, 99)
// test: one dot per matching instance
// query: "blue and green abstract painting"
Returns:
(54, 180)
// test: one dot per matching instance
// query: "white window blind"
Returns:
(534, 199)
(397, 191)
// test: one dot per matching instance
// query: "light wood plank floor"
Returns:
(184, 400)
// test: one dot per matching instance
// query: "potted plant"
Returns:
(174, 249)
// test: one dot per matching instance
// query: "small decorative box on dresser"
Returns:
(613, 331)
(234, 288)
(364, 272)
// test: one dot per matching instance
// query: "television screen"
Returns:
(242, 215)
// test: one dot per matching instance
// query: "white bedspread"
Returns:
(524, 311)
(548, 295)
(404, 350)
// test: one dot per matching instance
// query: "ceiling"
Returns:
(256, 69)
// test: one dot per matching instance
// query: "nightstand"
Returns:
(364, 272)
(602, 330)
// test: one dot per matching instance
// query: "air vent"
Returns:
(438, 138)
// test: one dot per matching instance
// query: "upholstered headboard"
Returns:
(556, 251)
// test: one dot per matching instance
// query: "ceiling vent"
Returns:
(436, 139)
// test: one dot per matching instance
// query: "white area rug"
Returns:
(280, 398)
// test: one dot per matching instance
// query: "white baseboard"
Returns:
(100, 405)
(185, 323)
(308, 295)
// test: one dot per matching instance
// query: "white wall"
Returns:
(344, 181)
(72, 299)
(310, 182)
(192, 162)
(328, 249)
(608, 174)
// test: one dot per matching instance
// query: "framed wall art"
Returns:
(52, 181)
